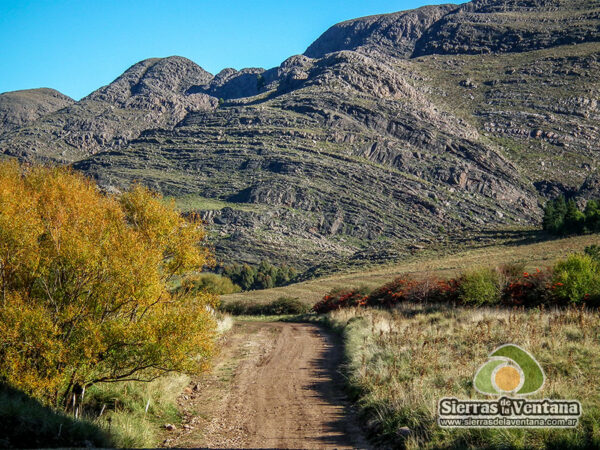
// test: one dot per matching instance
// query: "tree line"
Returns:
(563, 217)
(264, 276)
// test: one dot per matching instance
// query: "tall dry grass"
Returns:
(401, 362)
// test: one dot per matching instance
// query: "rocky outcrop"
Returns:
(165, 79)
(325, 167)
(231, 83)
(492, 26)
(590, 189)
(150, 94)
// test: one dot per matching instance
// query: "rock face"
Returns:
(231, 83)
(19, 108)
(388, 131)
(394, 34)
(154, 84)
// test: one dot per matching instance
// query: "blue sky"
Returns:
(76, 46)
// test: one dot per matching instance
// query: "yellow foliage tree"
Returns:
(84, 285)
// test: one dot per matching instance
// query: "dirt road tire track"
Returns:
(285, 392)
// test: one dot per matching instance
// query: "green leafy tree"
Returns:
(554, 215)
(264, 276)
(592, 216)
(283, 275)
(247, 277)
(574, 219)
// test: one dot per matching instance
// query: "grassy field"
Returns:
(537, 254)
(401, 363)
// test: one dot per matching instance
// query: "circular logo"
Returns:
(509, 370)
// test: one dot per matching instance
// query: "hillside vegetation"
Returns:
(443, 263)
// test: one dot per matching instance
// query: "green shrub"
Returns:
(286, 305)
(594, 252)
(577, 279)
(283, 305)
(479, 287)
(237, 307)
(211, 283)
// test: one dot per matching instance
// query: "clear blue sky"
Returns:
(76, 46)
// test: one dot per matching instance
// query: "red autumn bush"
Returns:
(574, 280)
(529, 289)
(392, 293)
(406, 289)
(402, 289)
(341, 298)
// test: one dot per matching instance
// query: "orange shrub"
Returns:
(84, 279)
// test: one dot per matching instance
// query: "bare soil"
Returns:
(275, 385)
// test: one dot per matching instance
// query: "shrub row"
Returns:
(283, 305)
(575, 280)
(209, 282)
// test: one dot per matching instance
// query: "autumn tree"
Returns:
(84, 285)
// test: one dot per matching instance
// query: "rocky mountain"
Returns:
(389, 132)
(393, 35)
(18, 108)
(150, 94)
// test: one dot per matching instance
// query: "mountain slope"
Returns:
(390, 131)
(315, 171)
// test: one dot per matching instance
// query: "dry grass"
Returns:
(125, 416)
(401, 362)
(539, 254)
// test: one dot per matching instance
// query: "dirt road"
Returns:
(275, 385)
